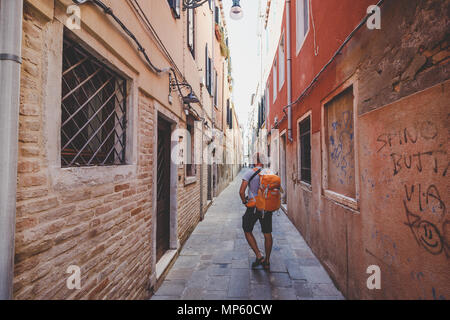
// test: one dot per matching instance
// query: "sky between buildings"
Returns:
(243, 40)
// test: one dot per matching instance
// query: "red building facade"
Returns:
(365, 161)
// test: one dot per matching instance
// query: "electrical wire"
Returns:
(349, 37)
(166, 52)
(152, 30)
(107, 10)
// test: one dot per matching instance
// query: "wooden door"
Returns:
(163, 189)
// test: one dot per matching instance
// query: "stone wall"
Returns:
(104, 229)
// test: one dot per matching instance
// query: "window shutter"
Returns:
(216, 93)
(259, 115)
(217, 16)
(175, 6)
(228, 112)
(206, 68)
(231, 117)
(210, 75)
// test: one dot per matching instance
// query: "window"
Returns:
(281, 54)
(267, 102)
(93, 117)
(191, 31)
(208, 70)
(304, 129)
(339, 145)
(217, 15)
(302, 22)
(229, 115)
(261, 112)
(175, 6)
(260, 117)
(275, 81)
(228, 112)
(216, 88)
(275, 154)
(190, 154)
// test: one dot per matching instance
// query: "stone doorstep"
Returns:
(164, 262)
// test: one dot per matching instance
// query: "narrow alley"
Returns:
(215, 262)
(126, 128)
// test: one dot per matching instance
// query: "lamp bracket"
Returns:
(193, 4)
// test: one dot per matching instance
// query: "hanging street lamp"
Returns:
(236, 12)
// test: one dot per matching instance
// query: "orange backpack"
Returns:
(269, 193)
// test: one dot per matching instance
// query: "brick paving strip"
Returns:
(215, 261)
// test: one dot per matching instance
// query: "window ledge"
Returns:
(344, 200)
(74, 177)
(306, 186)
(190, 180)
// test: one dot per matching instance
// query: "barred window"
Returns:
(175, 6)
(190, 148)
(191, 31)
(93, 121)
(304, 128)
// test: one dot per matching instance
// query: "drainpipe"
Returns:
(202, 215)
(289, 67)
(10, 61)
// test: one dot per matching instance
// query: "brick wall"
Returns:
(188, 205)
(105, 229)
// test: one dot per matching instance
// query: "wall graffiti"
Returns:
(387, 246)
(424, 206)
(427, 205)
(426, 130)
(340, 141)
(426, 291)
(403, 166)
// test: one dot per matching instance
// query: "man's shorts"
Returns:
(252, 215)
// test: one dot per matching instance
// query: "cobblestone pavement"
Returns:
(214, 263)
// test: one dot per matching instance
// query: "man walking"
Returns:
(251, 180)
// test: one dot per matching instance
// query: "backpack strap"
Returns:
(255, 174)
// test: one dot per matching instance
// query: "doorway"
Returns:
(283, 167)
(163, 189)
(209, 182)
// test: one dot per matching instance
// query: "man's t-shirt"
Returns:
(254, 184)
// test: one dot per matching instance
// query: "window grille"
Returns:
(175, 6)
(190, 148)
(93, 117)
(191, 31)
(305, 150)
